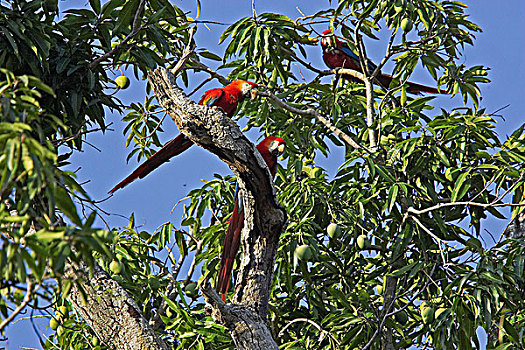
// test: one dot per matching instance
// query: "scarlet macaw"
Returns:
(270, 148)
(227, 98)
(337, 54)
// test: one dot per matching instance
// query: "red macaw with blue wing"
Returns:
(227, 98)
(337, 54)
(270, 148)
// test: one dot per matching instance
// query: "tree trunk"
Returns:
(264, 219)
(110, 312)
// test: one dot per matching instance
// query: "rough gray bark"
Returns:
(107, 308)
(387, 337)
(264, 220)
(516, 228)
(249, 330)
(110, 311)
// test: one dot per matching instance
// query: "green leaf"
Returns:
(95, 5)
(11, 40)
(66, 205)
(181, 242)
(392, 196)
(46, 236)
(511, 331)
(125, 16)
(413, 268)
(385, 173)
(460, 186)
(131, 222)
(210, 55)
(41, 86)
(110, 6)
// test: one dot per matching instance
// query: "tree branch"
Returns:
(23, 304)
(198, 66)
(313, 113)
(264, 220)
(249, 330)
(187, 52)
(110, 311)
(134, 30)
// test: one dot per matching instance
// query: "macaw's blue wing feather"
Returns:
(347, 51)
(211, 97)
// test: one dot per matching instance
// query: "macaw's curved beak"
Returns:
(253, 93)
(280, 149)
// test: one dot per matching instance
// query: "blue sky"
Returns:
(501, 46)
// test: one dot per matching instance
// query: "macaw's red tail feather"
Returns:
(232, 241)
(225, 276)
(413, 88)
(174, 147)
(270, 148)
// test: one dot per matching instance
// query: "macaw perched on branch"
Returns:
(227, 98)
(270, 148)
(337, 54)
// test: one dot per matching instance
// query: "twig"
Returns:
(194, 262)
(439, 240)
(385, 59)
(304, 63)
(363, 58)
(134, 30)
(323, 332)
(474, 204)
(369, 86)
(27, 299)
(311, 112)
(155, 128)
(172, 286)
(79, 133)
(182, 257)
(187, 52)
(370, 111)
(388, 313)
(199, 66)
(200, 85)
(254, 14)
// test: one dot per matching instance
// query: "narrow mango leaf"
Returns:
(45, 235)
(392, 196)
(458, 186)
(66, 205)
(95, 5)
(181, 243)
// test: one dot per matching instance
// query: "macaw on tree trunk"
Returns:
(337, 54)
(227, 98)
(270, 148)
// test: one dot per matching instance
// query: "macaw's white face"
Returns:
(325, 40)
(246, 88)
(276, 147)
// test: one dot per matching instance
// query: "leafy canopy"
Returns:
(406, 263)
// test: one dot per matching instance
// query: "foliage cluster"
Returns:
(419, 195)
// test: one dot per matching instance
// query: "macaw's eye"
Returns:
(246, 88)
(276, 147)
